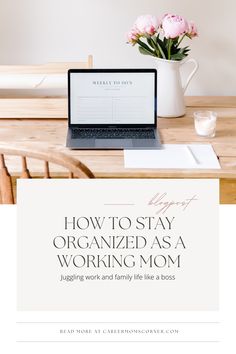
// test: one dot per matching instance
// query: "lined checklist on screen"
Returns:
(117, 110)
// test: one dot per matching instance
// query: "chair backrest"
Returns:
(75, 168)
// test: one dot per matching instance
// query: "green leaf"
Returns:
(177, 56)
(146, 47)
(180, 53)
(161, 47)
(175, 40)
(174, 49)
(144, 51)
(150, 42)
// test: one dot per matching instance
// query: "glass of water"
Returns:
(205, 123)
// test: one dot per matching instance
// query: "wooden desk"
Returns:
(109, 164)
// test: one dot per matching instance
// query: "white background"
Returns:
(8, 300)
(37, 31)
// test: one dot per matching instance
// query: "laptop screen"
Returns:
(112, 97)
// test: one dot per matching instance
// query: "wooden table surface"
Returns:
(51, 133)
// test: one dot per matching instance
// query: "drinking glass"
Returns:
(205, 123)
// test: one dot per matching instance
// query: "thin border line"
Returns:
(118, 341)
(23, 322)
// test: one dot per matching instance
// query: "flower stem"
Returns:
(156, 48)
(169, 48)
(181, 39)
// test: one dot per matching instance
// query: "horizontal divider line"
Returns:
(214, 322)
(114, 204)
(118, 341)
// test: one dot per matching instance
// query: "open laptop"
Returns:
(112, 109)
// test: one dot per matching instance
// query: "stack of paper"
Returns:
(179, 156)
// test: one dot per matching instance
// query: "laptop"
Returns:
(112, 109)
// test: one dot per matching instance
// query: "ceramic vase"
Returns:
(170, 90)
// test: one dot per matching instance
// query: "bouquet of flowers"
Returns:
(162, 38)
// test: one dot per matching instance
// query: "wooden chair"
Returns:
(36, 80)
(75, 168)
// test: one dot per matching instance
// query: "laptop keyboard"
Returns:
(114, 133)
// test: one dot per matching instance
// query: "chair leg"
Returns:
(46, 170)
(5, 183)
(25, 172)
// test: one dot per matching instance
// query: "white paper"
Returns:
(176, 156)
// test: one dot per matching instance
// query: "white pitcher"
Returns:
(170, 91)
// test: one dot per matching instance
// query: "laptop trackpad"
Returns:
(113, 143)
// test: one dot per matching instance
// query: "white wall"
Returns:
(36, 31)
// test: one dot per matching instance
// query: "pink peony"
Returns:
(146, 25)
(192, 31)
(133, 36)
(174, 26)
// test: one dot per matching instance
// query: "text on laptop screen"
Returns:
(112, 98)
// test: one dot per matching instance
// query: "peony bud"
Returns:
(192, 32)
(133, 36)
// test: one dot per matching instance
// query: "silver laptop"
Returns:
(112, 109)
